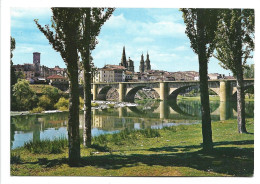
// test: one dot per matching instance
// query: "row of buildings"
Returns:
(124, 72)
(36, 72)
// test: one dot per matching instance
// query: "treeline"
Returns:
(26, 98)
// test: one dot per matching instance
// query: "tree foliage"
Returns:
(52, 93)
(25, 97)
(45, 102)
(13, 75)
(228, 37)
(62, 104)
(190, 17)
(249, 71)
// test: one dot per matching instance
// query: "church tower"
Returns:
(37, 63)
(123, 59)
(147, 63)
(141, 67)
(130, 66)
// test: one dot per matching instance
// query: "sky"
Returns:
(160, 32)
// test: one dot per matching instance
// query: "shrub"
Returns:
(62, 104)
(45, 102)
(37, 110)
(52, 92)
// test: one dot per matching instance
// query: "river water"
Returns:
(153, 114)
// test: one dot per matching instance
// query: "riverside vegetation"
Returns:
(171, 151)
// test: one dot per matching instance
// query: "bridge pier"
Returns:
(94, 92)
(122, 91)
(225, 112)
(163, 91)
(164, 110)
(224, 91)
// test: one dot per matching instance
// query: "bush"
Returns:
(45, 102)
(52, 93)
(62, 104)
(47, 146)
(37, 110)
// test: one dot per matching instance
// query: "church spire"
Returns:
(123, 59)
(147, 63)
(141, 67)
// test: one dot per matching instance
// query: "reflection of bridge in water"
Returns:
(166, 111)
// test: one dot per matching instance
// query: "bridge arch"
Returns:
(176, 92)
(130, 96)
(102, 94)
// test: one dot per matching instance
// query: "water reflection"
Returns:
(151, 115)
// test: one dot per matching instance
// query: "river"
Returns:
(152, 114)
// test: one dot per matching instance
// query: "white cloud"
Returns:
(181, 48)
(27, 12)
(137, 28)
(116, 21)
(143, 39)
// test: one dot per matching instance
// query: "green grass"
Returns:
(171, 151)
(47, 146)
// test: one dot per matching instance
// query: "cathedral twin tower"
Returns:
(129, 65)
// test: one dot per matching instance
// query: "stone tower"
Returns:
(123, 59)
(141, 67)
(37, 63)
(147, 63)
(130, 65)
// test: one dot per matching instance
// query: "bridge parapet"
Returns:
(127, 90)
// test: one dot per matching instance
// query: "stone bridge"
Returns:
(168, 90)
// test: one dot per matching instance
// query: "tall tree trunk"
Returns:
(239, 77)
(204, 94)
(73, 123)
(87, 81)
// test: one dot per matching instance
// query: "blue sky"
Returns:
(161, 32)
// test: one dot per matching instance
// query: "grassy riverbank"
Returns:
(173, 151)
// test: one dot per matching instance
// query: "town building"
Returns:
(56, 79)
(34, 71)
(110, 73)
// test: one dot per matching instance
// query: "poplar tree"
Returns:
(235, 43)
(201, 25)
(64, 39)
(13, 75)
(92, 19)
